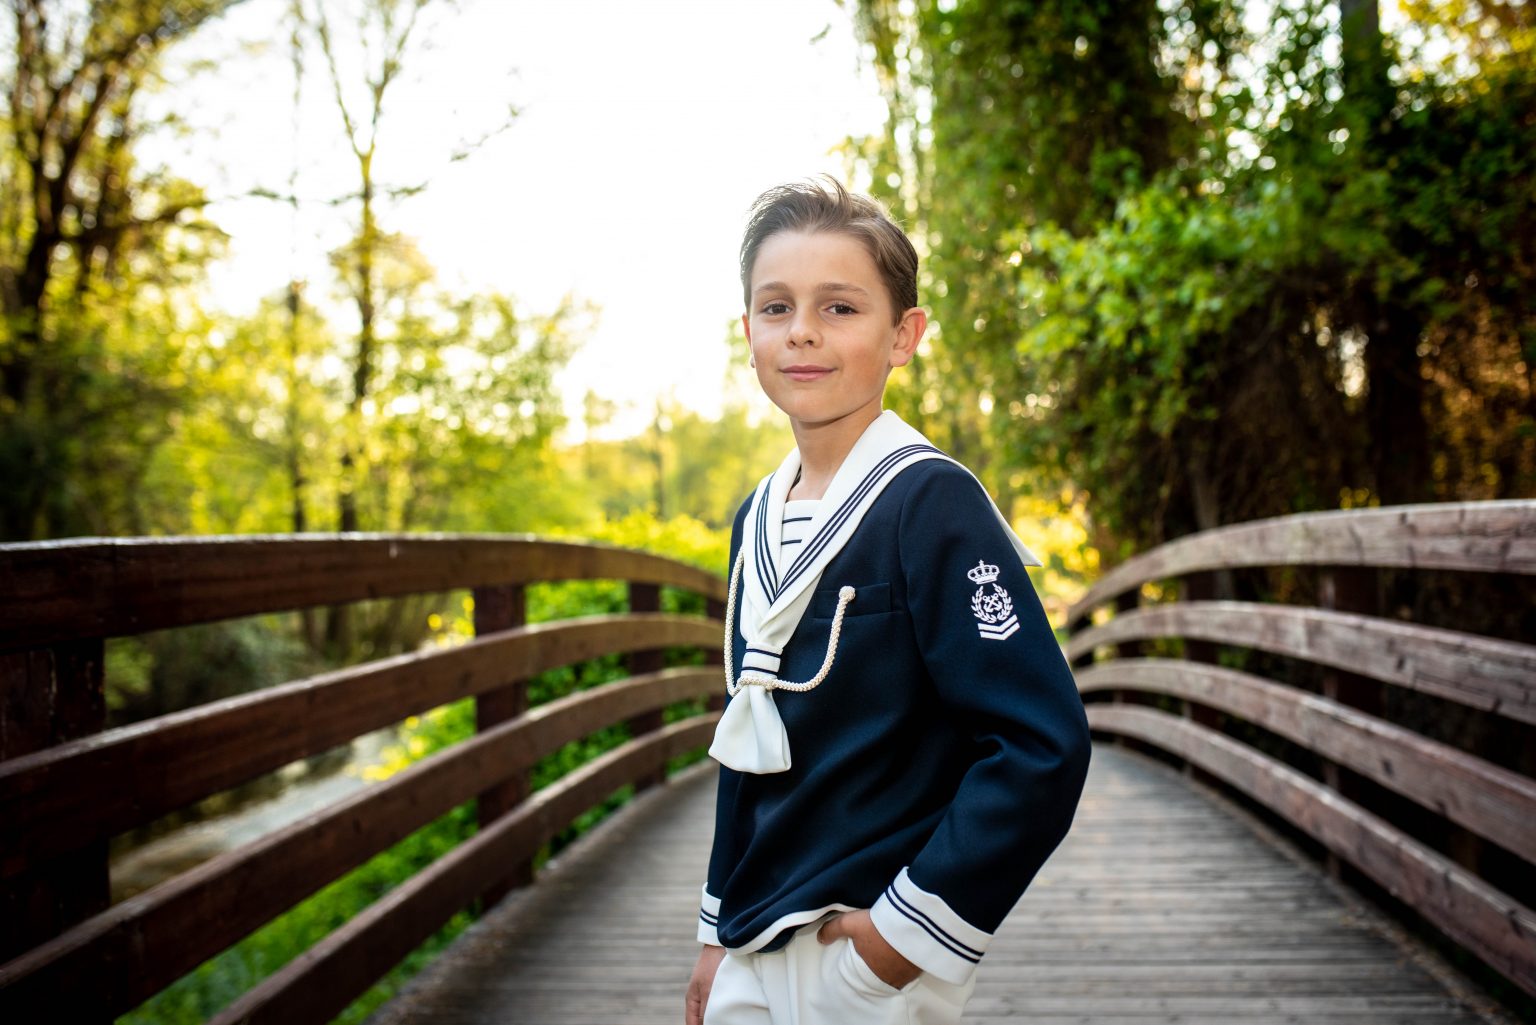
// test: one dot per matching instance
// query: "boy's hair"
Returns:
(813, 206)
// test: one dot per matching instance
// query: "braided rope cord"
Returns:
(845, 595)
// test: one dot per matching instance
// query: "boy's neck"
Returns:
(822, 450)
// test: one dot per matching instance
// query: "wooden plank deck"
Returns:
(1166, 904)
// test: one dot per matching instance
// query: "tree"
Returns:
(260, 414)
(1006, 117)
(1199, 275)
(385, 26)
(85, 229)
(685, 465)
(384, 30)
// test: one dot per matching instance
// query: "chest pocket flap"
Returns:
(870, 599)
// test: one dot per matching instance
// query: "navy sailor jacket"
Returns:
(935, 768)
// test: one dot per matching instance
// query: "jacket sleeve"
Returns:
(1000, 673)
(719, 854)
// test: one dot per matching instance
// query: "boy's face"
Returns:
(823, 329)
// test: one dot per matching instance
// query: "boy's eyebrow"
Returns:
(826, 286)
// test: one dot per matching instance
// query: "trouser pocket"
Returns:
(858, 974)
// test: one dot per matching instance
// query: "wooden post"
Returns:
(645, 598)
(503, 607)
(1075, 627)
(1348, 589)
(1201, 587)
(715, 609)
(1127, 601)
(1124, 602)
(48, 696)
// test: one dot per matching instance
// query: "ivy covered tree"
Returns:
(1198, 271)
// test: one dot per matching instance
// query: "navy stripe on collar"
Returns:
(829, 529)
(767, 577)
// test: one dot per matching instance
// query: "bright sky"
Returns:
(646, 129)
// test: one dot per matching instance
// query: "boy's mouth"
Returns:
(806, 372)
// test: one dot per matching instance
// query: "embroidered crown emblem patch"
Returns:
(994, 610)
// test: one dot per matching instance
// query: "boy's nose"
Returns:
(802, 333)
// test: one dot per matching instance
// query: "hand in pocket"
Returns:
(881, 958)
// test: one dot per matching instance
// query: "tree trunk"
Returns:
(1399, 430)
(1360, 31)
(338, 631)
(297, 482)
(1205, 500)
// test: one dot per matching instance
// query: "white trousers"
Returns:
(808, 983)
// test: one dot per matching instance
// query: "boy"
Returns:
(904, 744)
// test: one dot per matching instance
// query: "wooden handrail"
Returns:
(315, 987)
(1488, 537)
(53, 591)
(1491, 801)
(165, 932)
(1356, 652)
(69, 787)
(68, 795)
(1479, 672)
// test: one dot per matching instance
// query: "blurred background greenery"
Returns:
(1190, 262)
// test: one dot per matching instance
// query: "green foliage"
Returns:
(98, 391)
(684, 465)
(1194, 269)
(220, 980)
(96, 256)
(1157, 346)
(170, 670)
(456, 433)
(1005, 117)
(680, 537)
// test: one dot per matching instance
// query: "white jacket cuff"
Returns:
(927, 932)
(709, 919)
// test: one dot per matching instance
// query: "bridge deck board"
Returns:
(1162, 906)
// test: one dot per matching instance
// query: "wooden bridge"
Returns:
(1252, 761)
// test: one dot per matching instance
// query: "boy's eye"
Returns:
(842, 308)
(776, 307)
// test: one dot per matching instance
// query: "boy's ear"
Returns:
(746, 326)
(909, 331)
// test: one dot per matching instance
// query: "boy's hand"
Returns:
(702, 982)
(883, 959)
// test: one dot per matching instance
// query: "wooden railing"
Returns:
(67, 785)
(1250, 733)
